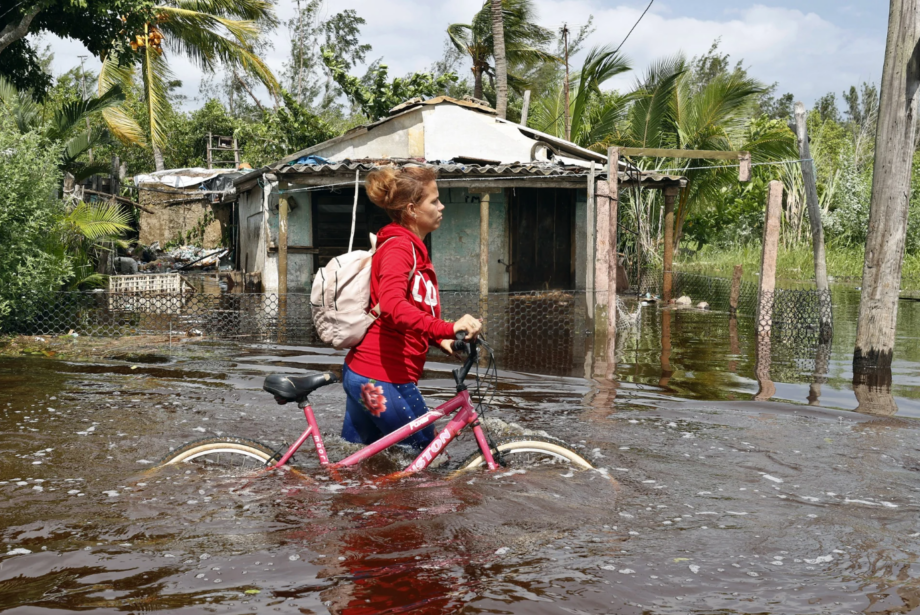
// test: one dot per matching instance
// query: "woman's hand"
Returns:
(448, 347)
(470, 324)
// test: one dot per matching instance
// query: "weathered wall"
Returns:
(402, 137)
(455, 246)
(300, 233)
(173, 223)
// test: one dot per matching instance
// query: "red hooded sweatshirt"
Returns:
(395, 346)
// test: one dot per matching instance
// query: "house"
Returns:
(530, 188)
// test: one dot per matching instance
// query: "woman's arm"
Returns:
(397, 311)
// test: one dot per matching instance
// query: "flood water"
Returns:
(721, 503)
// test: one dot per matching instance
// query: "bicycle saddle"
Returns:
(294, 388)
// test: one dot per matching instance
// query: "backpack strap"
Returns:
(375, 311)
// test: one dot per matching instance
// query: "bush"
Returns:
(33, 265)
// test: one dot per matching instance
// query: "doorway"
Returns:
(542, 225)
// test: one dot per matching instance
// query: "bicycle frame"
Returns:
(466, 416)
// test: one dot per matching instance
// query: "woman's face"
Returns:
(425, 216)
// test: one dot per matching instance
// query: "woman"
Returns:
(381, 373)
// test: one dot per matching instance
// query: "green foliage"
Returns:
(90, 232)
(32, 266)
(525, 43)
(96, 24)
(375, 95)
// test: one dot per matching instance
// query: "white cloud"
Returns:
(802, 51)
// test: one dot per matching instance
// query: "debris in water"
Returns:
(19, 551)
(694, 568)
(502, 551)
(821, 559)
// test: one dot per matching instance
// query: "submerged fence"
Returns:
(541, 331)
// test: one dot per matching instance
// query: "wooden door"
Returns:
(542, 222)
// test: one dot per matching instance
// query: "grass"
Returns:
(795, 264)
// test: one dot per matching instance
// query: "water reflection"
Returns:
(873, 392)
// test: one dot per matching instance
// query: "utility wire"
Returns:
(556, 119)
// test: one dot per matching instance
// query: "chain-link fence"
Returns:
(539, 331)
(789, 313)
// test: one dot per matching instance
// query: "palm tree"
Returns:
(501, 61)
(524, 41)
(595, 115)
(211, 33)
(670, 112)
(64, 126)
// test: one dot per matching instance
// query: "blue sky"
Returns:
(809, 47)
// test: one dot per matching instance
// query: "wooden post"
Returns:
(670, 195)
(601, 235)
(525, 109)
(613, 170)
(894, 151)
(282, 244)
(768, 258)
(590, 228)
(735, 291)
(115, 174)
(484, 196)
(814, 217)
(762, 362)
(744, 167)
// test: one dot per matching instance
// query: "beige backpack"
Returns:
(340, 297)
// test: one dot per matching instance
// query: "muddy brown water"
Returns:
(722, 504)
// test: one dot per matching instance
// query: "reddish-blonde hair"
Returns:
(393, 189)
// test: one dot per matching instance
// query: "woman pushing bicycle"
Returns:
(381, 373)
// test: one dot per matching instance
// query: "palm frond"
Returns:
(80, 143)
(99, 220)
(649, 114)
(69, 114)
(21, 107)
(155, 74)
(601, 64)
(460, 36)
(123, 126)
(252, 10)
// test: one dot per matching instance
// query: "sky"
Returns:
(806, 47)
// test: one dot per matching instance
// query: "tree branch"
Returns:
(12, 32)
(248, 91)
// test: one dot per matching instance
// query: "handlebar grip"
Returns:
(460, 335)
(458, 346)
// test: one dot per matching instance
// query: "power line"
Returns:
(623, 42)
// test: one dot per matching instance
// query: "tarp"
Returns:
(179, 178)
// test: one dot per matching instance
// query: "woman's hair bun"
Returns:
(381, 186)
(392, 189)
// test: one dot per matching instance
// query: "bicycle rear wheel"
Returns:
(528, 451)
(224, 453)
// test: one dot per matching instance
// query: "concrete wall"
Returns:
(174, 222)
(402, 137)
(455, 246)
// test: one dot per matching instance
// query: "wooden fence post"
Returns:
(814, 217)
(484, 199)
(590, 228)
(613, 170)
(282, 244)
(735, 291)
(771, 225)
(670, 195)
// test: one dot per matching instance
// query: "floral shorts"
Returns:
(375, 408)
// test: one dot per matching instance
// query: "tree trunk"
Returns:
(477, 81)
(894, 150)
(14, 31)
(501, 65)
(158, 158)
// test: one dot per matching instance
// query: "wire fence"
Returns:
(539, 331)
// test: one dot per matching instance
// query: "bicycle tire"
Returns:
(212, 451)
(545, 450)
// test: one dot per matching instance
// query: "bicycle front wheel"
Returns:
(528, 451)
(224, 453)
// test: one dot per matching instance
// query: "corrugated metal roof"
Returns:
(532, 169)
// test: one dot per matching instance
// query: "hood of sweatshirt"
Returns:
(396, 230)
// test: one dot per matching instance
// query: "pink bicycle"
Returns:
(243, 453)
